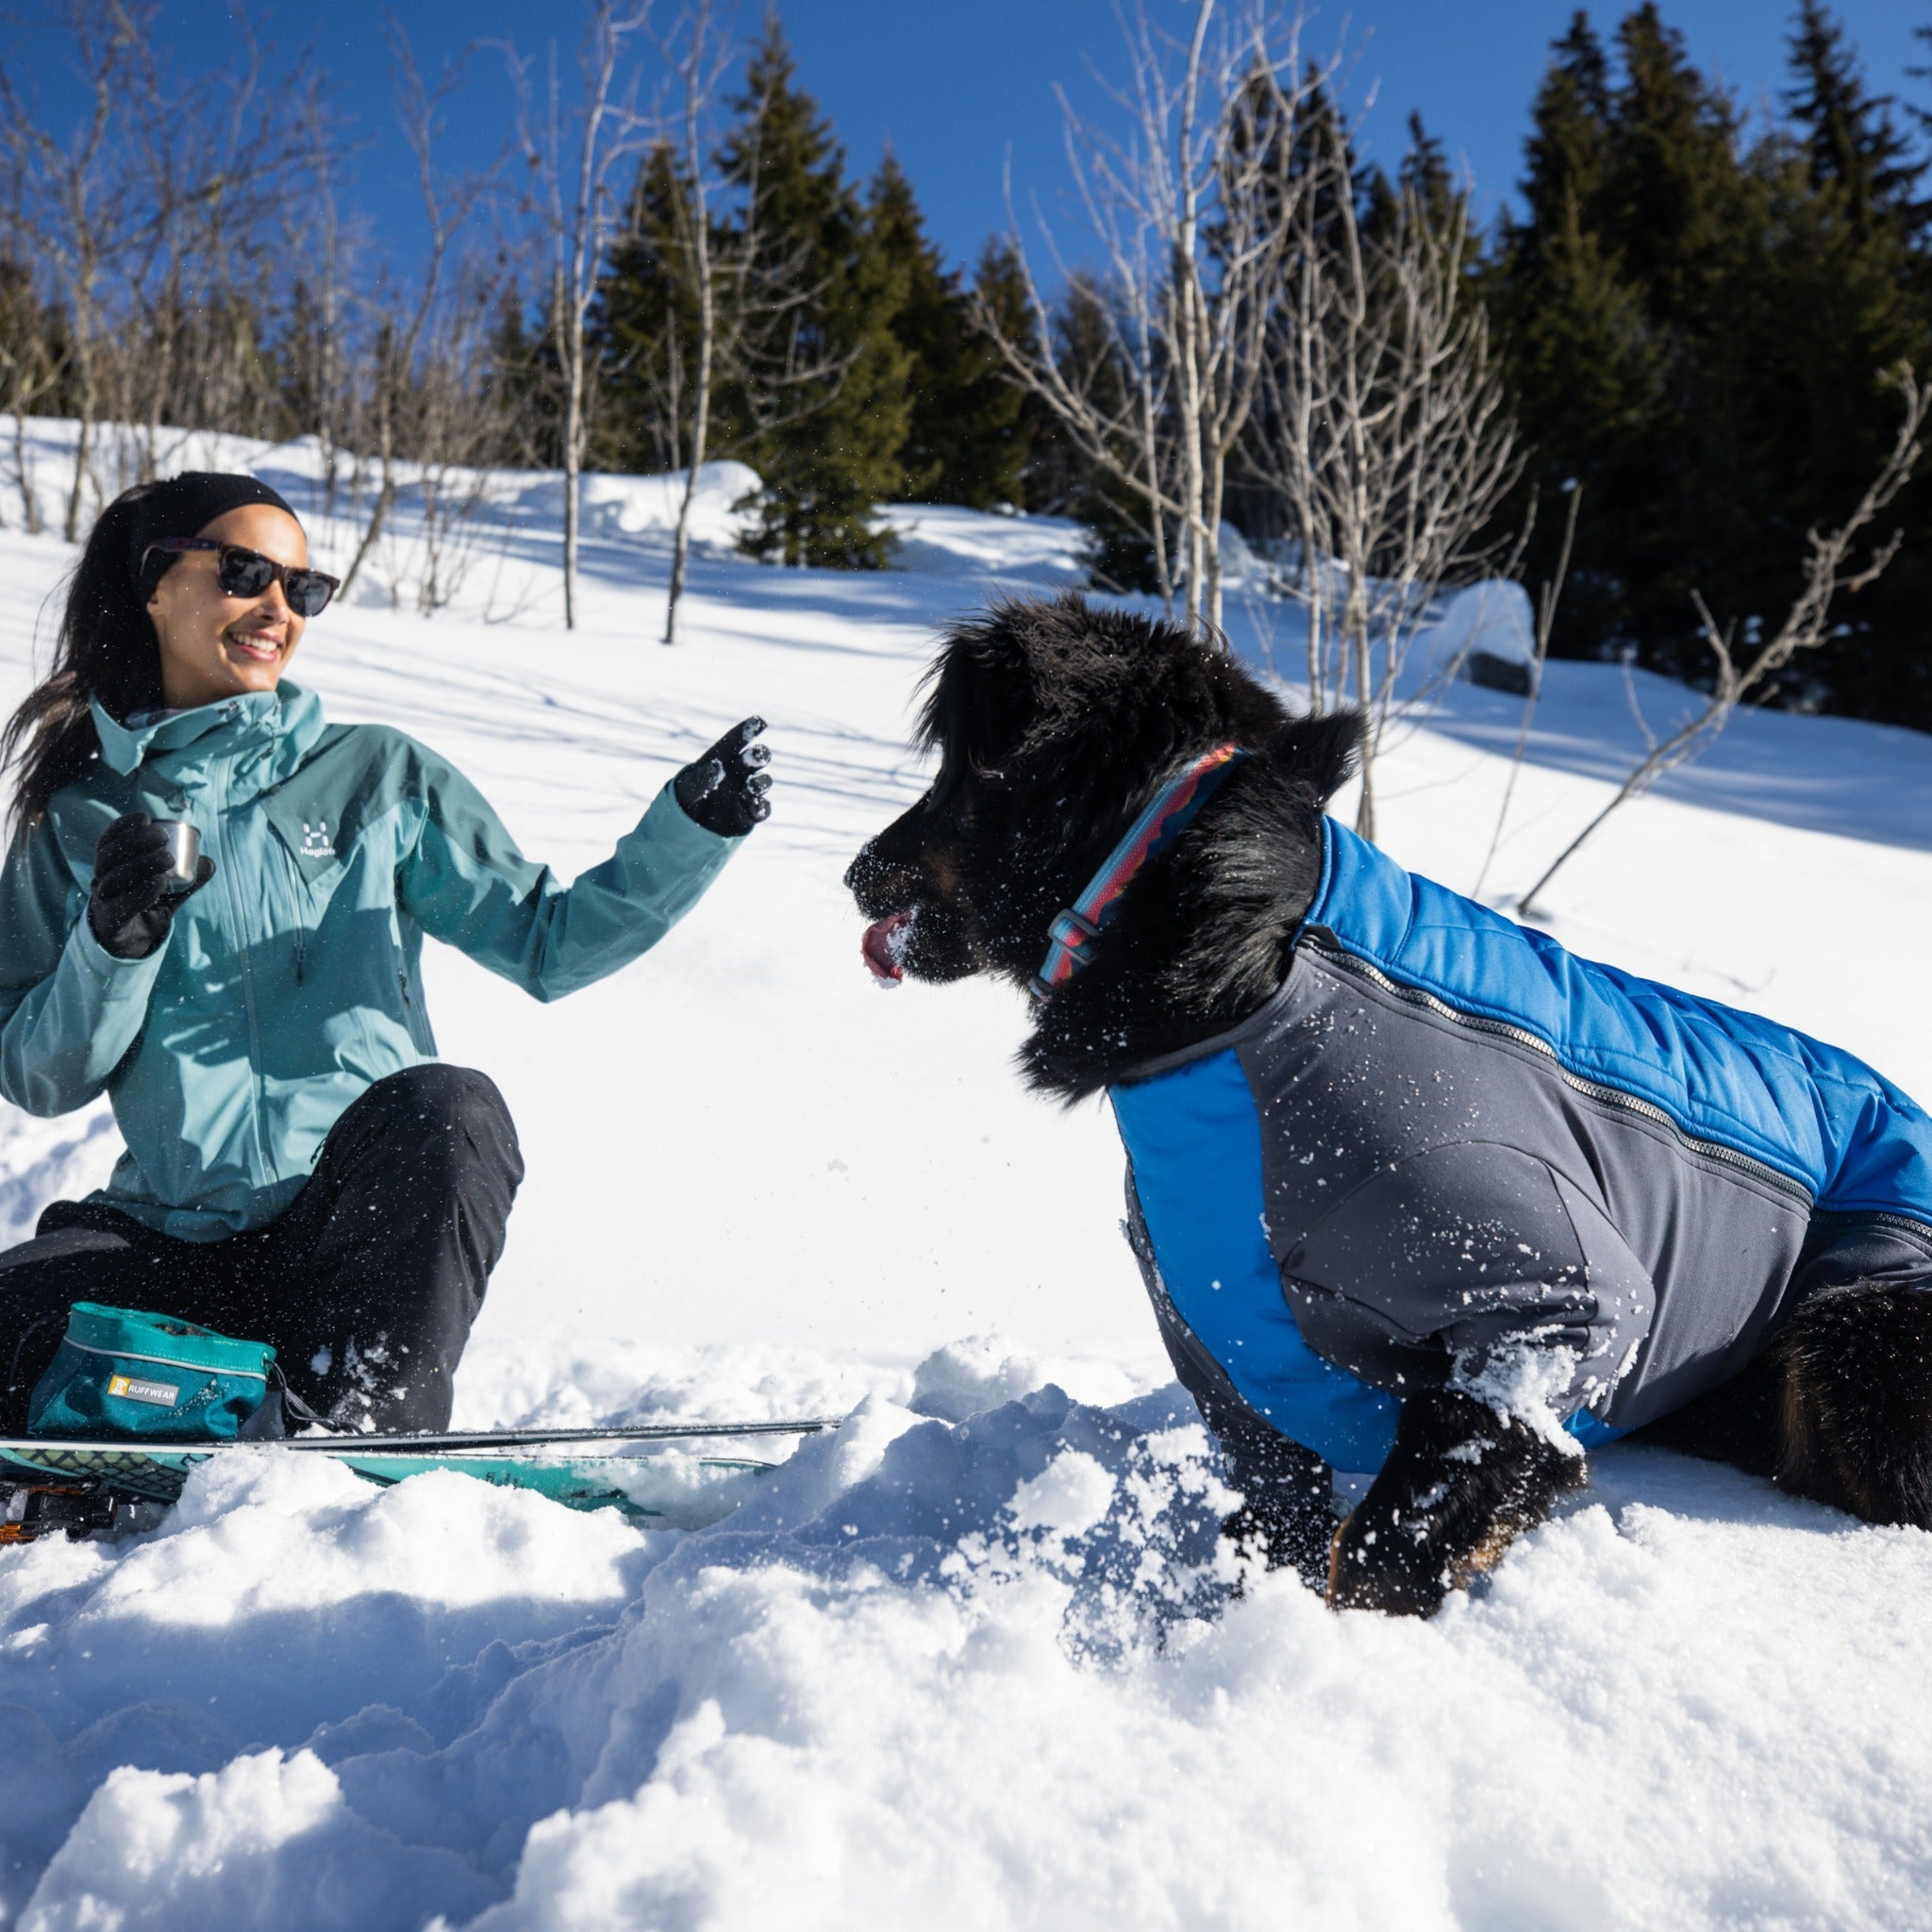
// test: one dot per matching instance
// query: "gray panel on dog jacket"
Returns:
(1446, 1142)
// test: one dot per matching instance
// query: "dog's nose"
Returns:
(866, 870)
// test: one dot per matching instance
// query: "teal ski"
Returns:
(80, 1484)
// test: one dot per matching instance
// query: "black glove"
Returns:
(133, 905)
(725, 791)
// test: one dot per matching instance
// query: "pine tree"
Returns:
(1585, 364)
(1568, 152)
(1118, 551)
(1851, 143)
(1674, 182)
(1685, 220)
(1696, 332)
(1001, 423)
(645, 325)
(961, 441)
(820, 405)
(1848, 293)
(522, 388)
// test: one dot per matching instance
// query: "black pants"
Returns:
(366, 1287)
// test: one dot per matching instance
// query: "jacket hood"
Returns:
(279, 727)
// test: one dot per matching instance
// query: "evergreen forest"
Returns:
(1693, 310)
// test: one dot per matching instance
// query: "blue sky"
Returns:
(958, 88)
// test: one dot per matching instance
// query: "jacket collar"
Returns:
(285, 722)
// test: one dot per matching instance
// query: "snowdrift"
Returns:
(973, 1661)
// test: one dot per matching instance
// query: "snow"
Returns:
(972, 1660)
(1013, 552)
(1493, 616)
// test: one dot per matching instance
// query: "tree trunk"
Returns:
(386, 437)
(1217, 484)
(1365, 810)
(570, 323)
(680, 537)
(1187, 294)
(83, 447)
(30, 500)
(700, 397)
(572, 417)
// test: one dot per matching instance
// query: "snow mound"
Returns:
(42, 1161)
(265, 1840)
(614, 506)
(974, 1674)
(940, 541)
(1492, 617)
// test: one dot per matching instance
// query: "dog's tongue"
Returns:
(881, 949)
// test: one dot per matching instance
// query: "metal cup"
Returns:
(184, 855)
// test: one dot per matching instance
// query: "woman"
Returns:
(299, 1168)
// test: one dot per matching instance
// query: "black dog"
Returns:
(1681, 1283)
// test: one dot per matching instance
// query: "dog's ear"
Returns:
(1320, 751)
(977, 695)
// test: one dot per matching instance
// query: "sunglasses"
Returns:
(241, 572)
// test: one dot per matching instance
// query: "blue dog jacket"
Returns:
(1447, 1134)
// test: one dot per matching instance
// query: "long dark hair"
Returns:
(107, 649)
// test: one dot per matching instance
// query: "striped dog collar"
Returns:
(1166, 816)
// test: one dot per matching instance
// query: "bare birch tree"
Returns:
(1830, 572)
(573, 160)
(454, 425)
(134, 219)
(448, 204)
(700, 63)
(198, 289)
(89, 206)
(315, 234)
(29, 366)
(1389, 440)
(1193, 209)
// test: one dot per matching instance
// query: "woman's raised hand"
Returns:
(724, 790)
(133, 904)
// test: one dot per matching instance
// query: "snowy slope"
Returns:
(971, 1662)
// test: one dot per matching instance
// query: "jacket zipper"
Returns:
(301, 901)
(166, 1361)
(1902, 1221)
(222, 769)
(1593, 1089)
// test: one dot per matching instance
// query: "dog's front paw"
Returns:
(1279, 1539)
(1460, 1485)
(1392, 1556)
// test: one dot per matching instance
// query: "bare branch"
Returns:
(1829, 571)
(1193, 209)
(1386, 436)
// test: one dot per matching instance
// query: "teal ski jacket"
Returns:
(291, 982)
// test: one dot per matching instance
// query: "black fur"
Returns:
(1287, 1515)
(1055, 723)
(1854, 1424)
(1460, 1484)
(1838, 1407)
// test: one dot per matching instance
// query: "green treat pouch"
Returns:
(122, 1373)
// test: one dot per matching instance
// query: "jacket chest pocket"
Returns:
(306, 869)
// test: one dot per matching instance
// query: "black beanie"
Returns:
(182, 505)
